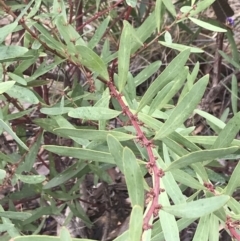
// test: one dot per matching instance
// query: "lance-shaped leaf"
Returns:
(68, 32)
(91, 60)
(147, 72)
(65, 235)
(170, 72)
(234, 181)
(5, 227)
(67, 174)
(202, 230)
(200, 156)
(207, 25)
(2, 174)
(181, 223)
(55, 110)
(4, 86)
(228, 133)
(161, 100)
(9, 130)
(94, 134)
(124, 55)
(31, 179)
(23, 94)
(186, 179)
(199, 208)
(167, 220)
(80, 153)
(135, 224)
(93, 113)
(181, 47)
(158, 16)
(184, 109)
(6, 30)
(11, 53)
(134, 178)
(15, 215)
(99, 33)
(116, 149)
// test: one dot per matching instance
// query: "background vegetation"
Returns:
(119, 121)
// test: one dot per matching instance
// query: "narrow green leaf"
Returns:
(135, 224)
(144, 31)
(17, 78)
(167, 220)
(15, 215)
(6, 30)
(2, 174)
(209, 140)
(68, 32)
(99, 33)
(31, 157)
(92, 61)
(31, 179)
(207, 25)
(229, 132)
(116, 150)
(170, 72)
(124, 55)
(158, 9)
(214, 228)
(173, 189)
(186, 179)
(199, 208)
(67, 174)
(11, 53)
(170, 7)
(229, 59)
(80, 153)
(200, 156)
(55, 110)
(48, 38)
(181, 47)
(23, 94)
(202, 230)
(13, 232)
(167, 38)
(214, 120)
(200, 6)
(234, 94)
(147, 72)
(8, 129)
(62, 122)
(5, 227)
(38, 213)
(134, 178)
(43, 69)
(190, 81)
(160, 101)
(93, 113)
(181, 223)
(184, 109)
(4, 86)
(34, 9)
(59, 9)
(234, 181)
(65, 235)
(94, 134)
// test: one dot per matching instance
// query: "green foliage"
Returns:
(70, 87)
